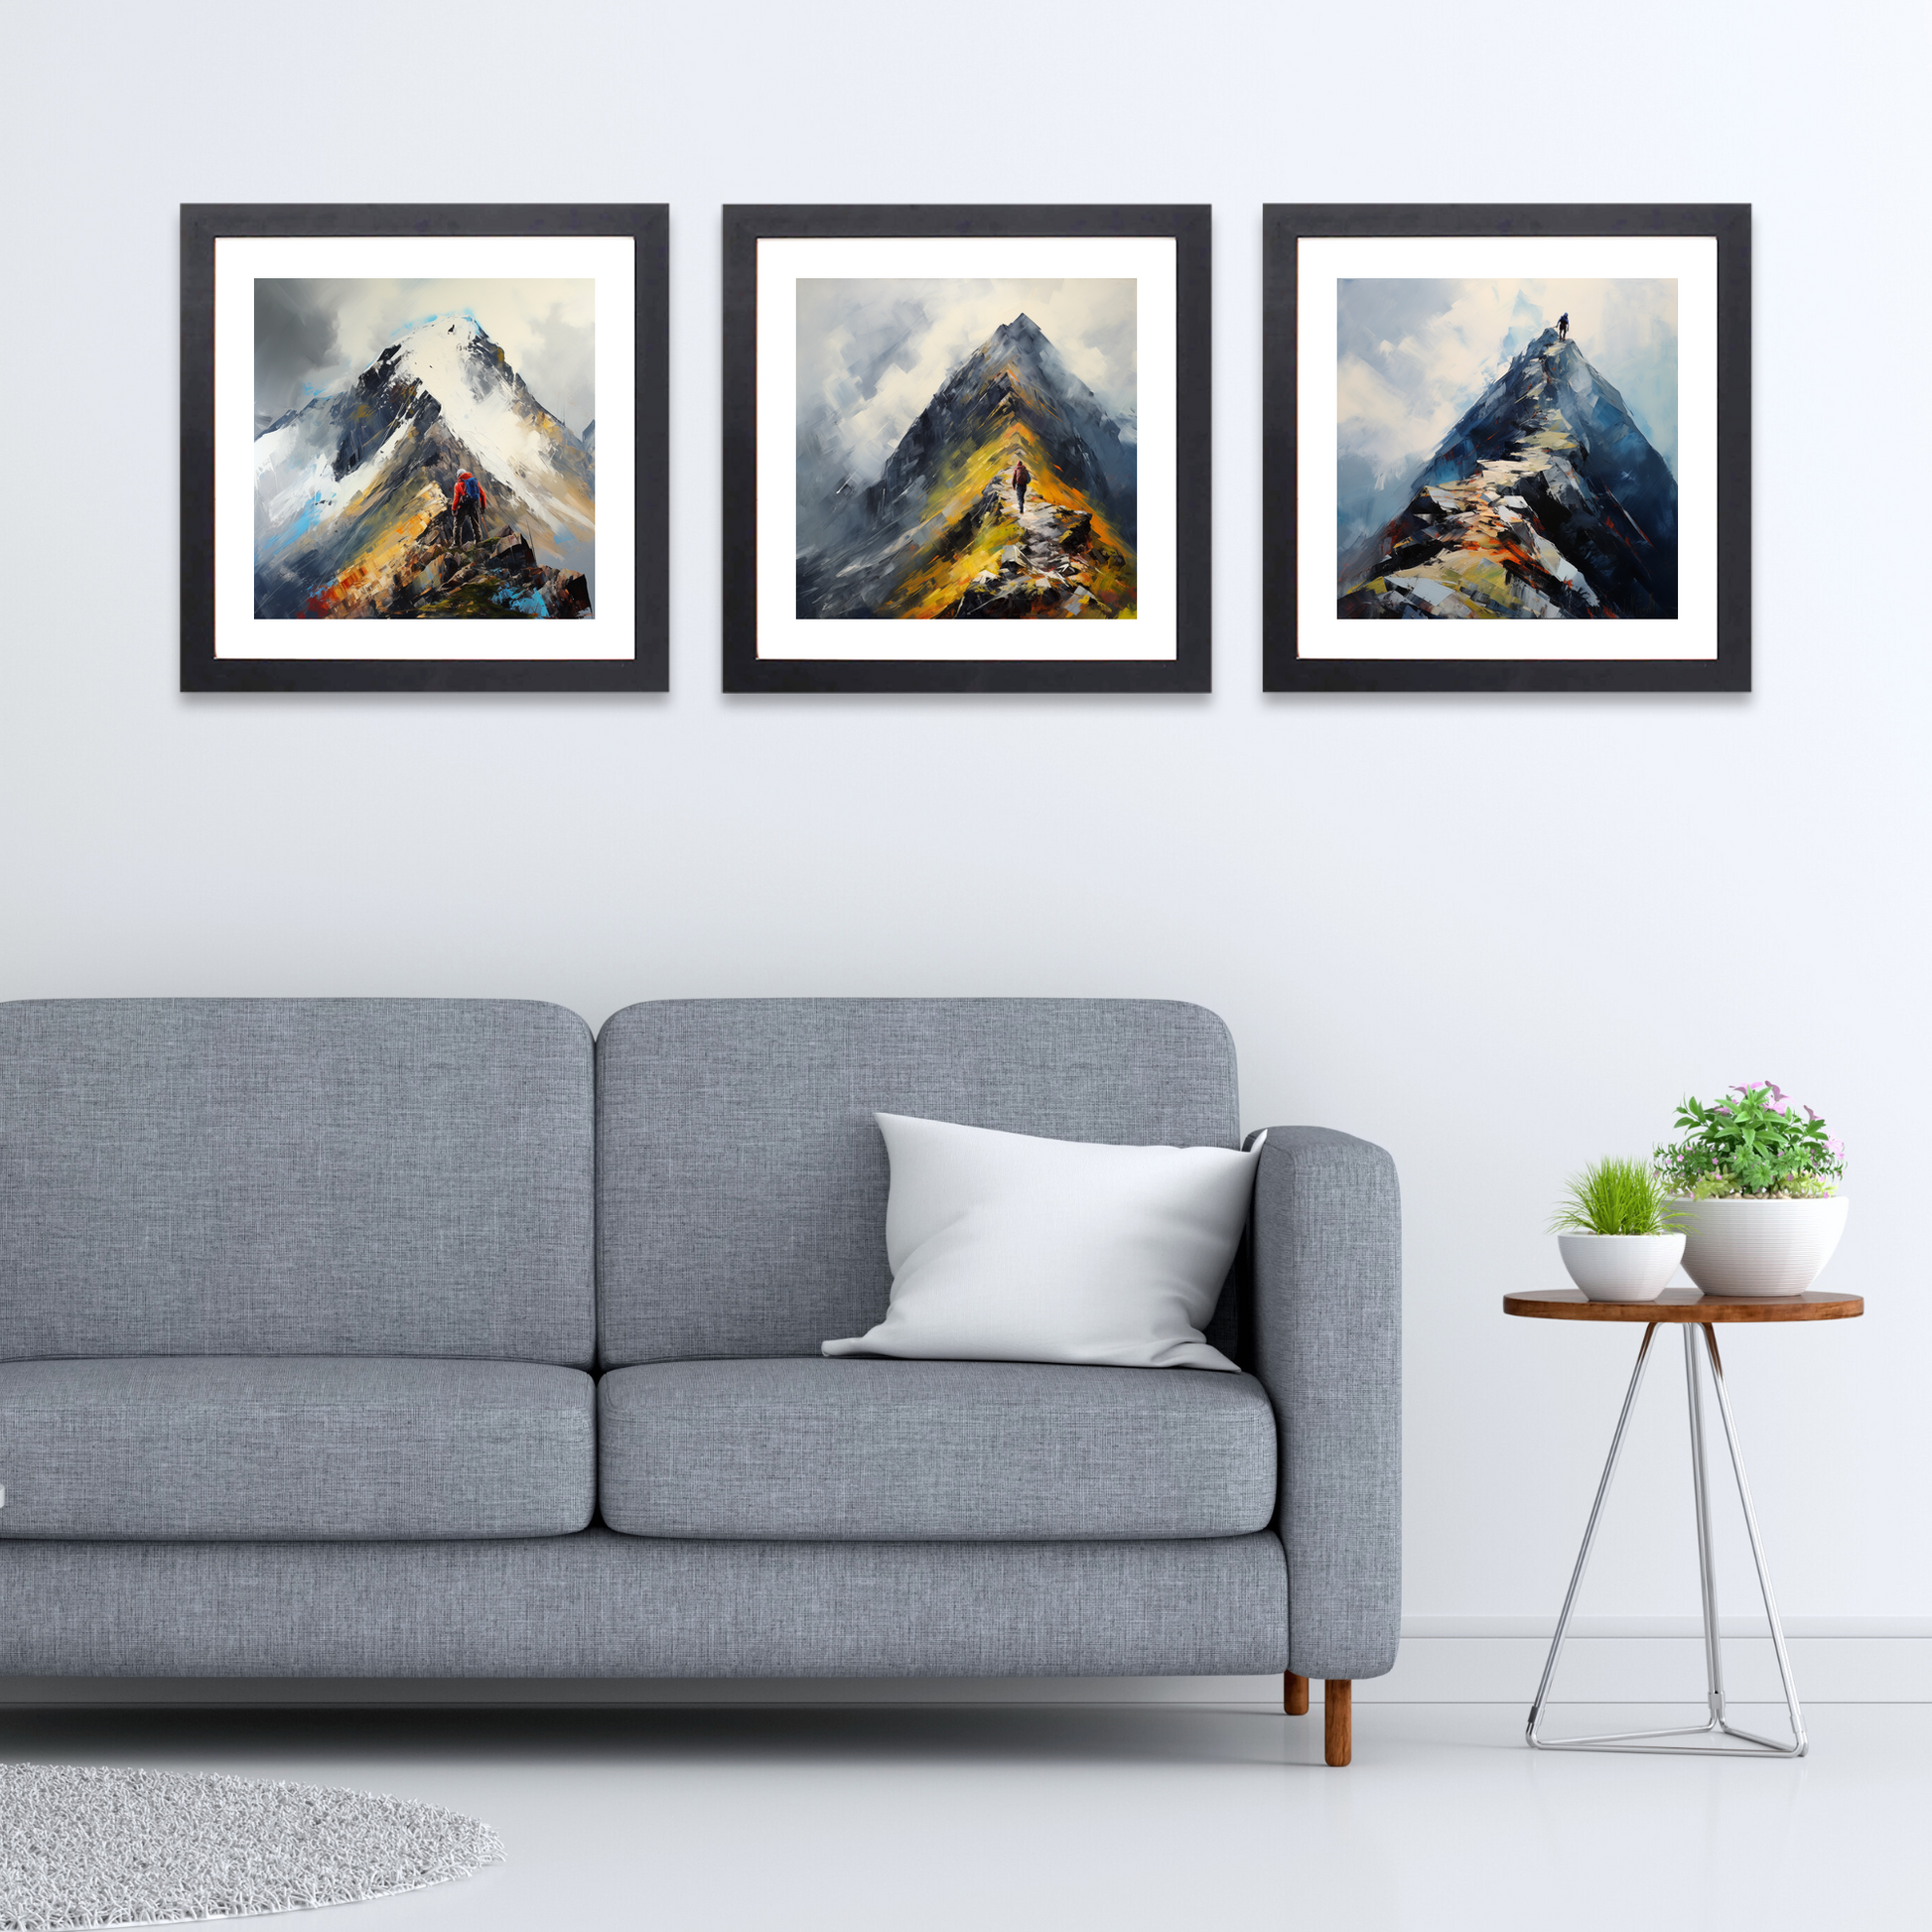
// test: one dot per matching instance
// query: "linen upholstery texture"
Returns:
(597, 1604)
(852, 1448)
(742, 1179)
(1326, 1326)
(299, 1446)
(295, 1176)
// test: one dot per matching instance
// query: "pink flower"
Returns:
(1834, 1147)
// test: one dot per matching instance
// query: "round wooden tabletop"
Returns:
(1687, 1304)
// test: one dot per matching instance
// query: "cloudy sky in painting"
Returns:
(870, 353)
(310, 336)
(1414, 354)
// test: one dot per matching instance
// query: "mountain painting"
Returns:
(1506, 449)
(966, 448)
(414, 455)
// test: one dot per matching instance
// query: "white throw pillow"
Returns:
(1007, 1248)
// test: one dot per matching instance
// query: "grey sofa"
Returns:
(427, 1338)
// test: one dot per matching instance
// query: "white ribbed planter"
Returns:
(1621, 1267)
(1760, 1247)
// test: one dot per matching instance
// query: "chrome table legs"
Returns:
(1715, 1724)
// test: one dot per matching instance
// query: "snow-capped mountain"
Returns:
(353, 480)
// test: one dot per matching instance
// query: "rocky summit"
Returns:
(941, 532)
(1546, 501)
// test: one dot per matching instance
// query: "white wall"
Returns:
(1498, 934)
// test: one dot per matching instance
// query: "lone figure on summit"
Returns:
(1563, 324)
(1021, 477)
(466, 503)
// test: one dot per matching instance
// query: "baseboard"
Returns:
(1644, 1660)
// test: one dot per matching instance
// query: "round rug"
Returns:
(89, 1846)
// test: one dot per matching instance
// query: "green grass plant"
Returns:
(1615, 1197)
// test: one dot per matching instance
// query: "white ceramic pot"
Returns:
(1621, 1267)
(1760, 1247)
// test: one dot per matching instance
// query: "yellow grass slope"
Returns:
(971, 553)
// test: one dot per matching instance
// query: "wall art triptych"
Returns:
(427, 448)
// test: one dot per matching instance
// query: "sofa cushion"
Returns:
(741, 1179)
(899, 1451)
(295, 1177)
(293, 1447)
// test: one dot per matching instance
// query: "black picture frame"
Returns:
(1190, 670)
(1286, 670)
(645, 669)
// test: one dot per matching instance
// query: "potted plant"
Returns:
(1617, 1232)
(1756, 1189)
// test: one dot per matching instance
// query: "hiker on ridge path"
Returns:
(1021, 477)
(466, 503)
(1563, 324)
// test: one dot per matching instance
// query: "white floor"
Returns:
(1075, 1818)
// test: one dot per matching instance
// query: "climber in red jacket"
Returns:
(468, 502)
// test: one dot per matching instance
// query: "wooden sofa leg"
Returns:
(1295, 1695)
(1337, 1729)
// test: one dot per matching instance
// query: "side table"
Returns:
(1698, 1315)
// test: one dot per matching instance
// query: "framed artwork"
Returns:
(1522, 433)
(941, 418)
(424, 448)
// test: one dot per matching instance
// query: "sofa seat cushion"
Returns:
(293, 1447)
(899, 1451)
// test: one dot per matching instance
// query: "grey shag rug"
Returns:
(83, 1846)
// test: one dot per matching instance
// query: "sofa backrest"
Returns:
(741, 1179)
(295, 1176)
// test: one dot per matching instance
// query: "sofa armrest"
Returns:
(1327, 1343)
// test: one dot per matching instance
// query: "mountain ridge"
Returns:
(941, 531)
(1545, 499)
